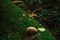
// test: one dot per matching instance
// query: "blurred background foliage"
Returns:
(47, 11)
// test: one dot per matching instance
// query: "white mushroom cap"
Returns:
(31, 28)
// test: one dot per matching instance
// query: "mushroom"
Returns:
(31, 33)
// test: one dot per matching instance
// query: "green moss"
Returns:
(14, 23)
